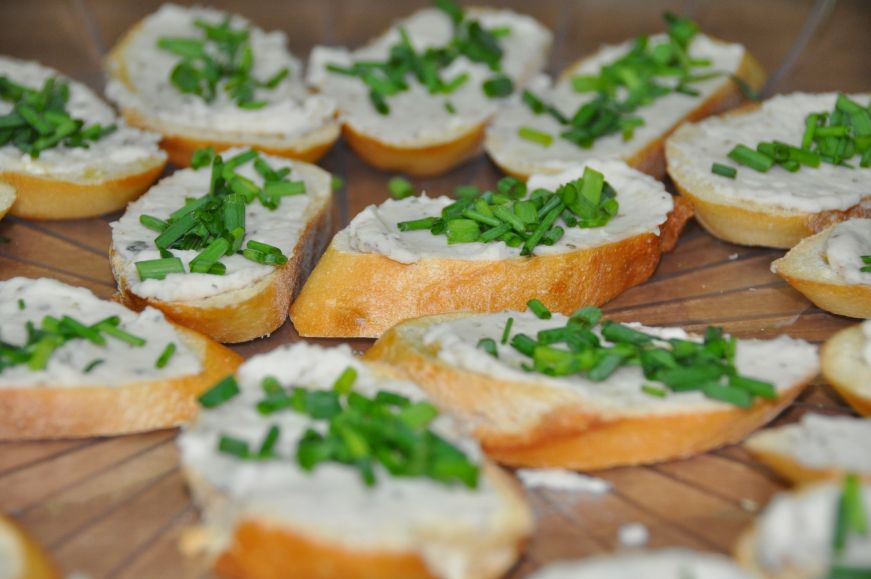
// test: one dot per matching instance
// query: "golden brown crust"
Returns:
(37, 564)
(46, 198)
(33, 413)
(844, 367)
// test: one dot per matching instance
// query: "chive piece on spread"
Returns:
(400, 188)
(539, 309)
(159, 268)
(724, 170)
(489, 346)
(233, 446)
(535, 136)
(165, 356)
(219, 393)
(506, 333)
(93, 364)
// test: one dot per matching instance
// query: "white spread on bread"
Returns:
(660, 116)
(124, 151)
(644, 206)
(782, 361)
(845, 246)
(122, 363)
(281, 228)
(416, 117)
(695, 147)
(331, 504)
(562, 480)
(664, 564)
(795, 532)
(143, 82)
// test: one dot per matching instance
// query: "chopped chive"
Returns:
(507, 331)
(165, 356)
(755, 387)
(740, 398)
(498, 86)
(535, 136)
(750, 158)
(21, 304)
(233, 446)
(489, 346)
(417, 224)
(152, 223)
(539, 309)
(336, 182)
(400, 188)
(113, 330)
(81, 330)
(724, 170)
(345, 382)
(462, 231)
(93, 364)
(269, 441)
(219, 393)
(654, 391)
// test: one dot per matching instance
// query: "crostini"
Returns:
(846, 365)
(773, 174)
(544, 390)
(73, 365)
(664, 564)
(417, 98)
(577, 238)
(64, 150)
(21, 557)
(312, 463)
(201, 77)
(622, 101)
(223, 246)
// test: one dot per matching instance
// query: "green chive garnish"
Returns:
(165, 356)
(219, 393)
(400, 188)
(506, 333)
(233, 446)
(498, 86)
(345, 382)
(724, 170)
(489, 346)
(93, 364)
(159, 268)
(539, 309)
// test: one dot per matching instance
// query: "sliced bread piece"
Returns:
(434, 118)
(664, 564)
(827, 268)
(160, 56)
(21, 557)
(846, 365)
(817, 447)
(776, 208)
(7, 198)
(373, 275)
(66, 161)
(290, 213)
(794, 537)
(90, 367)
(278, 503)
(567, 403)
(552, 110)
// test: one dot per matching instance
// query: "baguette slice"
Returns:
(646, 149)
(21, 557)
(265, 519)
(819, 270)
(293, 123)
(663, 564)
(366, 281)
(819, 447)
(7, 198)
(793, 537)
(72, 183)
(846, 366)
(420, 135)
(529, 419)
(125, 393)
(773, 209)
(251, 300)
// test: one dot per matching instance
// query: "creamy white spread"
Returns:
(143, 82)
(11, 561)
(795, 532)
(417, 117)
(127, 150)
(782, 361)
(820, 441)
(664, 564)
(562, 480)
(281, 228)
(122, 363)
(644, 206)
(695, 147)
(660, 116)
(331, 503)
(845, 246)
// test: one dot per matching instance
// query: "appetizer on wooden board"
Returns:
(846, 365)
(664, 564)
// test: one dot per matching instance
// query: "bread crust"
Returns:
(33, 413)
(845, 369)
(790, 469)
(248, 313)
(36, 562)
(363, 294)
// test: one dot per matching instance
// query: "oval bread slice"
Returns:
(772, 209)
(364, 284)
(293, 123)
(267, 519)
(529, 419)
(77, 182)
(846, 367)
(7, 198)
(92, 390)
(664, 564)
(21, 557)
(422, 135)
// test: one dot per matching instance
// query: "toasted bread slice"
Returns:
(663, 564)
(426, 133)
(373, 276)
(846, 365)
(7, 198)
(89, 389)
(292, 123)
(529, 419)
(251, 300)
(772, 209)
(21, 557)
(793, 537)
(66, 182)
(325, 522)
(645, 150)
(819, 269)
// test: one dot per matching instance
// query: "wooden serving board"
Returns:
(113, 507)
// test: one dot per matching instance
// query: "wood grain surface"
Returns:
(114, 507)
